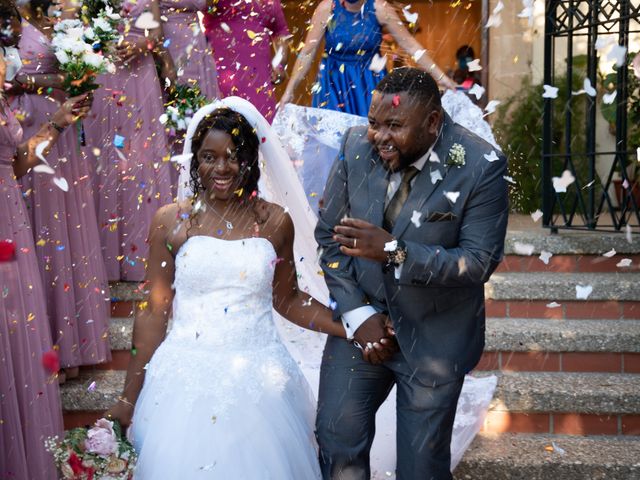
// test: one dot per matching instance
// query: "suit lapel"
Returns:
(377, 186)
(423, 187)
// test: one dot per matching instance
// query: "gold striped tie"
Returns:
(395, 205)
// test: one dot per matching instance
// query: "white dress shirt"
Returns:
(354, 318)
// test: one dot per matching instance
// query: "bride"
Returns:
(219, 396)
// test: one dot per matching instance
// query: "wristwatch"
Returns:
(396, 257)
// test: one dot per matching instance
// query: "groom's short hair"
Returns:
(415, 82)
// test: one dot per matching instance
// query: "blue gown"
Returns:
(351, 41)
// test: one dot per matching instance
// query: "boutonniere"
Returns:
(457, 156)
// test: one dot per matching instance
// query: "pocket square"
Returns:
(441, 217)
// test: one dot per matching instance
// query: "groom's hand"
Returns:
(372, 336)
(358, 238)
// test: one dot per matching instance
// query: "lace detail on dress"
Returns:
(223, 343)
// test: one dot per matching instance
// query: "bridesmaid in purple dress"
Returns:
(64, 223)
(187, 45)
(241, 35)
(128, 148)
(30, 409)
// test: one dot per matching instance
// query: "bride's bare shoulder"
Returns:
(170, 215)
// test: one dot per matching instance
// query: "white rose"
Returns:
(102, 24)
(89, 34)
(111, 68)
(163, 119)
(78, 47)
(93, 59)
(62, 56)
(181, 125)
(108, 11)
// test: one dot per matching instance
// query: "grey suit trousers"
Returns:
(352, 390)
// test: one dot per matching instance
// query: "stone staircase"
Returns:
(567, 404)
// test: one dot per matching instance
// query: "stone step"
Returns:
(572, 403)
(570, 263)
(523, 344)
(544, 457)
(570, 243)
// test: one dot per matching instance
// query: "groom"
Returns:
(412, 225)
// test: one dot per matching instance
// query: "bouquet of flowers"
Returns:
(98, 453)
(184, 101)
(73, 46)
(102, 20)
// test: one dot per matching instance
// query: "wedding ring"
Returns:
(355, 241)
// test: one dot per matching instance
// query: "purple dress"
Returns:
(30, 408)
(128, 149)
(187, 45)
(65, 226)
(243, 62)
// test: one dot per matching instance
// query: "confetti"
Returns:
(491, 107)
(582, 293)
(395, 101)
(550, 91)
(146, 22)
(477, 90)
(415, 218)
(44, 168)
(118, 141)
(624, 263)
(491, 157)
(436, 176)
(537, 215)
(452, 196)
(378, 63)
(586, 88)
(417, 55)
(91, 387)
(410, 17)
(61, 183)
(609, 98)
(474, 65)
(333, 265)
(495, 19)
(610, 253)
(560, 184)
(545, 257)
(525, 249)
(553, 305)
(527, 11)
(51, 361)
(391, 246)
(618, 53)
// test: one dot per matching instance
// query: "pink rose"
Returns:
(101, 438)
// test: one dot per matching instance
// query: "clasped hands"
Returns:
(358, 238)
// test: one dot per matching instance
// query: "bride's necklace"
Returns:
(227, 222)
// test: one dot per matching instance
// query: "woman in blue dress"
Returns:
(351, 66)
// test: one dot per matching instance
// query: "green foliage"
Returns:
(518, 129)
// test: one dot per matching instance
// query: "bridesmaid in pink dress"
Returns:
(128, 149)
(241, 35)
(30, 408)
(187, 45)
(64, 223)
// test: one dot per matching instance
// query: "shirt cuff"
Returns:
(354, 318)
(397, 272)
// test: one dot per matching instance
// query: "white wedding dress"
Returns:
(222, 397)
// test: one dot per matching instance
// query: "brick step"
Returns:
(512, 344)
(544, 457)
(570, 403)
(569, 263)
(570, 243)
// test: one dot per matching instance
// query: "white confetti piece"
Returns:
(586, 88)
(39, 150)
(624, 263)
(92, 386)
(474, 65)
(434, 157)
(491, 107)
(545, 257)
(415, 218)
(610, 253)
(417, 55)
(609, 98)
(628, 233)
(527, 11)
(537, 215)
(146, 21)
(411, 17)
(582, 293)
(553, 305)
(225, 27)
(560, 184)
(61, 183)
(509, 179)
(491, 157)
(495, 19)
(391, 246)
(603, 42)
(525, 249)
(378, 63)
(44, 168)
(436, 176)
(452, 196)
(619, 54)
(550, 91)
(477, 90)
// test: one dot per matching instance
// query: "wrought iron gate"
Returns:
(605, 192)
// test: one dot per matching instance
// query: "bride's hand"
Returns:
(123, 412)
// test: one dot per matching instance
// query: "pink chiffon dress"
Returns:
(240, 34)
(128, 148)
(30, 408)
(64, 225)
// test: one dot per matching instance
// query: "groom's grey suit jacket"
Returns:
(454, 245)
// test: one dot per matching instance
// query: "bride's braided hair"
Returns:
(245, 140)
